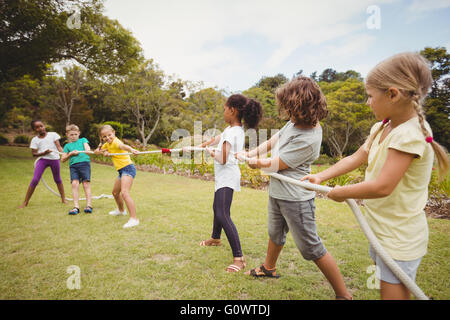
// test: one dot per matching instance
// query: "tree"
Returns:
(271, 83)
(34, 34)
(62, 94)
(141, 95)
(349, 118)
(437, 105)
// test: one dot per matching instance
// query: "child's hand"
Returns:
(313, 178)
(134, 151)
(47, 152)
(241, 155)
(74, 153)
(335, 194)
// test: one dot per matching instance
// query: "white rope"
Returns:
(108, 196)
(401, 275)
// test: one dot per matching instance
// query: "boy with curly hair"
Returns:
(294, 148)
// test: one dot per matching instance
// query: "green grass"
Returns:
(161, 258)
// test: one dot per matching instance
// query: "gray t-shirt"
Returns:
(298, 148)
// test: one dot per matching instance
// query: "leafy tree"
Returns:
(437, 105)
(62, 94)
(141, 95)
(349, 118)
(34, 34)
(272, 83)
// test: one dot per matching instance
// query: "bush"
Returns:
(21, 139)
(3, 140)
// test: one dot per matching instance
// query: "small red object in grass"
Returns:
(429, 139)
(164, 150)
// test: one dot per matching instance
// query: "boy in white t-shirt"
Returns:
(227, 172)
(45, 146)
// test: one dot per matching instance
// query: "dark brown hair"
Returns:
(248, 109)
(302, 99)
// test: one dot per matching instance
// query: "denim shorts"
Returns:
(298, 217)
(384, 273)
(80, 171)
(129, 170)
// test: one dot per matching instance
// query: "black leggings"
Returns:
(222, 219)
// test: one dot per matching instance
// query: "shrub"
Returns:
(3, 140)
(21, 139)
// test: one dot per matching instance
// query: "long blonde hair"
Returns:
(410, 73)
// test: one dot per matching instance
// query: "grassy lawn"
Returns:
(161, 258)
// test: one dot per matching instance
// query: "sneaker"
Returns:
(118, 213)
(131, 223)
(74, 211)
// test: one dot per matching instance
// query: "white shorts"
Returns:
(385, 274)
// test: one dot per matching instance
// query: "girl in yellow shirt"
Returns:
(399, 154)
(127, 173)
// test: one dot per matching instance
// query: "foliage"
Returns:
(349, 118)
(3, 140)
(437, 105)
(21, 139)
(36, 33)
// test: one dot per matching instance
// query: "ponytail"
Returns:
(439, 151)
(252, 113)
(248, 109)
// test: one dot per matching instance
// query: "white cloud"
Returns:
(428, 5)
(195, 39)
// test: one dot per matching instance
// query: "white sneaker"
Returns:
(131, 223)
(118, 213)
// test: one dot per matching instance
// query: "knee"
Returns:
(75, 183)
(115, 193)
(313, 253)
(125, 194)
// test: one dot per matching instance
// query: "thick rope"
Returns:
(401, 275)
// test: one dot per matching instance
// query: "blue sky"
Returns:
(231, 44)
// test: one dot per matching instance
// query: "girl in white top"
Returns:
(46, 146)
(227, 172)
(399, 154)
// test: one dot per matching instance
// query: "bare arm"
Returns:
(394, 168)
(269, 164)
(126, 147)
(221, 156)
(343, 166)
(264, 147)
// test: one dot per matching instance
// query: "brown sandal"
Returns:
(210, 243)
(264, 273)
(235, 268)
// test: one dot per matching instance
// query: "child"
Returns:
(227, 173)
(291, 208)
(399, 153)
(127, 172)
(80, 167)
(45, 146)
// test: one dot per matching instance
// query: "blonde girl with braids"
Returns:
(399, 152)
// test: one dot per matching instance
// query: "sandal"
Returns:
(210, 243)
(88, 209)
(74, 211)
(236, 268)
(264, 273)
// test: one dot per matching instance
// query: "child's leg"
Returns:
(223, 198)
(37, 174)
(75, 193)
(126, 183)
(28, 195)
(55, 167)
(330, 269)
(87, 192)
(116, 192)
(390, 291)
(273, 252)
